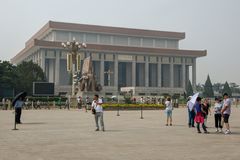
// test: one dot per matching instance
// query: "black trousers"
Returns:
(18, 115)
(218, 118)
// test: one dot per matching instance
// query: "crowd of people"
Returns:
(198, 113)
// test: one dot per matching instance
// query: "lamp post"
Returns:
(73, 58)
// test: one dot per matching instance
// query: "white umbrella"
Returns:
(114, 96)
(193, 101)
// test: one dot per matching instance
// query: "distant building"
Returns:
(148, 62)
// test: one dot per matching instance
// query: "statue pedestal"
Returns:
(73, 102)
(89, 94)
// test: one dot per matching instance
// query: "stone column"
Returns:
(146, 72)
(134, 72)
(57, 68)
(194, 74)
(102, 70)
(187, 74)
(159, 74)
(43, 60)
(183, 74)
(171, 74)
(116, 72)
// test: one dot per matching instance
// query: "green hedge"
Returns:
(46, 99)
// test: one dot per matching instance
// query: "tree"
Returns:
(227, 89)
(208, 88)
(7, 79)
(189, 89)
(234, 87)
(199, 87)
(7, 74)
(218, 87)
(27, 73)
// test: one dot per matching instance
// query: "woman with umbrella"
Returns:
(18, 103)
(18, 109)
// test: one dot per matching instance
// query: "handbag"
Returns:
(93, 111)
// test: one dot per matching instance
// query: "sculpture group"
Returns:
(87, 81)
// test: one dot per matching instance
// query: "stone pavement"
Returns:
(70, 135)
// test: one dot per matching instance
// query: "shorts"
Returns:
(169, 113)
(226, 118)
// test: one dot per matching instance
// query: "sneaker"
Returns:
(217, 131)
(206, 132)
(227, 132)
(97, 129)
(199, 132)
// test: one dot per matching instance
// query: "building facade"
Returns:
(148, 62)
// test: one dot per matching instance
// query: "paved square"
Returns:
(63, 134)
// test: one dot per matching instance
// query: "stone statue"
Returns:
(87, 82)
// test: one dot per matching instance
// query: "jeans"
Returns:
(191, 116)
(99, 116)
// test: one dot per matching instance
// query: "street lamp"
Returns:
(73, 58)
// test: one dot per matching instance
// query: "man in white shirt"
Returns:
(97, 106)
(226, 111)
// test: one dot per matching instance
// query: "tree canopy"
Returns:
(208, 88)
(227, 89)
(20, 77)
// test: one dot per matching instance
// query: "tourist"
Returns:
(79, 102)
(226, 111)
(9, 104)
(98, 112)
(67, 105)
(18, 110)
(38, 104)
(168, 111)
(217, 114)
(191, 113)
(3, 103)
(206, 108)
(142, 100)
(199, 118)
(87, 102)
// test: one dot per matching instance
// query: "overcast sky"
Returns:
(213, 25)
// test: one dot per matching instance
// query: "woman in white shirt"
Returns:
(217, 114)
(168, 111)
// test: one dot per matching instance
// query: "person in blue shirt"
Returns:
(18, 109)
(199, 118)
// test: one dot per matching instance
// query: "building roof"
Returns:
(115, 49)
(51, 25)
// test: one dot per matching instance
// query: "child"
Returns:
(199, 116)
(168, 110)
